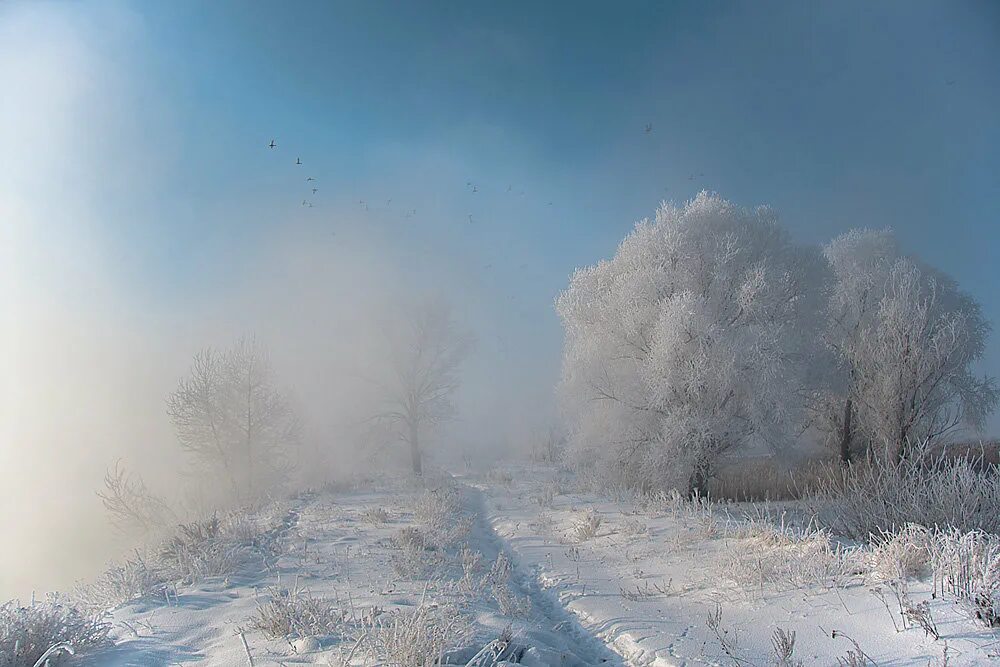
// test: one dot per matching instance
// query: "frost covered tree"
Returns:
(231, 417)
(905, 338)
(424, 354)
(690, 343)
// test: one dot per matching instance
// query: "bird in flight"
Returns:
(315, 190)
(470, 218)
(649, 128)
(298, 160)
(307, 203)
(475, 188)
(310, 179)
(272, 144)
(950, 82)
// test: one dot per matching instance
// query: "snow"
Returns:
(649, 595)
(639, 592)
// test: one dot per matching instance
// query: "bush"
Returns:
(28, 633)
(417, 638)
(119, 584)
(296, 614)
(770, 552)
(879, 497)
(967, 566)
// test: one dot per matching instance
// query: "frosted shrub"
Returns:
(499, 582)
(415, 555)
(878, 497)
(441, 513)
(967, 566)
(374, 515)
(417, 638)
(295, 614)
(770, 553)
(586, 527)
(27, 633)
(121, 583)
(902, 555)
(197, 551)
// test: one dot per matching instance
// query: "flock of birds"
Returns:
(471, 187)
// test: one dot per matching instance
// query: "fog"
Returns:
(86, 386)
(90, 352)
(472, 160)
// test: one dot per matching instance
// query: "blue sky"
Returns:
(838, 115)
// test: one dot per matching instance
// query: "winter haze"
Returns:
(655, 235)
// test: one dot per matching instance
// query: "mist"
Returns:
(90, 355)
(679, 253)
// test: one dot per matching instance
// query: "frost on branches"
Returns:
(689, 343)
(904, 338)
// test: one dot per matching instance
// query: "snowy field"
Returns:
(519, 568)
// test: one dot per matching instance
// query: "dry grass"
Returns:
(873, 498)
(375, 516)
(765, 479)
(296, 614)
(27, 633)
(417, 638)
(587, 527)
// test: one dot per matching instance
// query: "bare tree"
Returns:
(425, 351)
(132, 507)
(230, 416)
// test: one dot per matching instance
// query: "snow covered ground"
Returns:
(646, 580)
(579, 581)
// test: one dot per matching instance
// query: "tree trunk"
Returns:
(845, 434)
(698, 482)
(415, 456)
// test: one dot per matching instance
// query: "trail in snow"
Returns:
(557, 633)
(629, 596)
(334, 552)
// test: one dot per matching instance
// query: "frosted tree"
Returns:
(236, 423)
(905, 339)
(424, 353)
(860, 260)
(691, 342)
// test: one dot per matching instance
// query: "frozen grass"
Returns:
(296, 614)
(498, 582)
(769, 552)
(415, 557)
(415, 638)
(211, 548)
(587, 527)
(375, 516)
(441, 514)
(53, 627)
(967, 566)
(868, 499)
(123, 582)
(764, 479)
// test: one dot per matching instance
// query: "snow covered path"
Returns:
(344, 547)
(580, 583)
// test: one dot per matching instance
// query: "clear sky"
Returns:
(134, 137)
